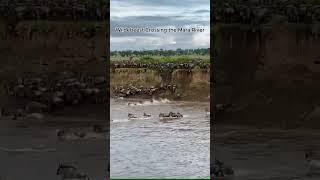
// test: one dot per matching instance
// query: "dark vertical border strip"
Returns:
(108, 85)
(212, 94)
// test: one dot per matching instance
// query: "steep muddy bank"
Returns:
(41, 62)
(270, 76)
(50, 52)
(179, 84)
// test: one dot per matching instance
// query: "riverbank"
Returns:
(175, 84)
(64, 96)
(52, 63)
(34, 110)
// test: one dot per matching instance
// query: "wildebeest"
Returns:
(70, 172)
(131, 116)
(220, 170)
(146, 115)
(171, 115)
(36, 107)
(313, 164)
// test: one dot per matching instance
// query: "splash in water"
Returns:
(150, 102)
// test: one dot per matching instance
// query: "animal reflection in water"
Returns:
(70, 172)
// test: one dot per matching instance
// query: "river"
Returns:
(267, 153)
(153, 148)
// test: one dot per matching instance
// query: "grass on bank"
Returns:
(163, 59)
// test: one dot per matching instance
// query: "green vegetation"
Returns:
(161, 52)
(162, 56)
(173, 59)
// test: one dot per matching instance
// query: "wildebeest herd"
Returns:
(257, 12)
(132, 90)
(41, 95)
(161, 66)
(162, 116)
(57, 9)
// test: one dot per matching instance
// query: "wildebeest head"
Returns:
(63, 167)
(58, 170)
(60, 133)
(308, 155)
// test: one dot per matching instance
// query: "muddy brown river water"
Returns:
(34, 153)
(152, 148)
(266, 154)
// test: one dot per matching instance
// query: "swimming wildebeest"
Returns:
(313, 164)
(171, 115)
(70, 172)
(220, 170)
(131, 116)
(146, 115)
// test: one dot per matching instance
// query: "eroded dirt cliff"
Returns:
(270, 76)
